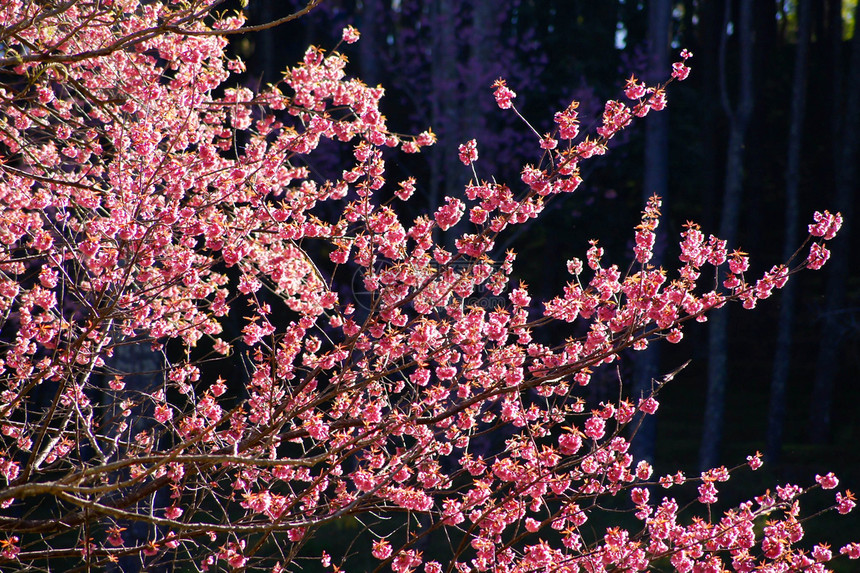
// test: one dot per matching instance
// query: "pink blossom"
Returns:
(826, 225)
(568, 122)
(468, 152)
(548, 142)
(648, 405)
(754, 461)
(818, 255)
(407, 188)
(218, 388)
(350, 35)
(163, 413)
(828, 481)
(503, 94)
(595, 427)
(845, 503)
(680, 71)
(788, 492)
(150, 549)
(821, 553)
(405, 561)
(570, 444)
(639, 496)
(738, 262)
(852, 550)
(707, 493)
(449, 214)
(657, 101)
(10, 548)
(634, 89)
(9, 469)
(172, 512)
(644, 470)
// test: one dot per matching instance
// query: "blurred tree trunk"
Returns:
(141, 369)
(369, 15)
(739, 118)
(782, 355)
(484, 34)
(707, 53)
(647, 363)
(846, 122)
(264, 66)
(444, 101)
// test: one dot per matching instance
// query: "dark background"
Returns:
(763, 133)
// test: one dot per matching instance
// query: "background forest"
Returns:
(765, 130)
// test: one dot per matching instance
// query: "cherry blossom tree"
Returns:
(149, 202)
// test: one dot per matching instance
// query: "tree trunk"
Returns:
(782, 355)
(141, 369)
(707, 53)
(368, 24)
(265, 65)
(444, 103)
(647, 363)
(739, 118)
(846, 123)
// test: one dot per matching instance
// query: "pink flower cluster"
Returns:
(503, 94)
(469, 152)
(150, 213)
